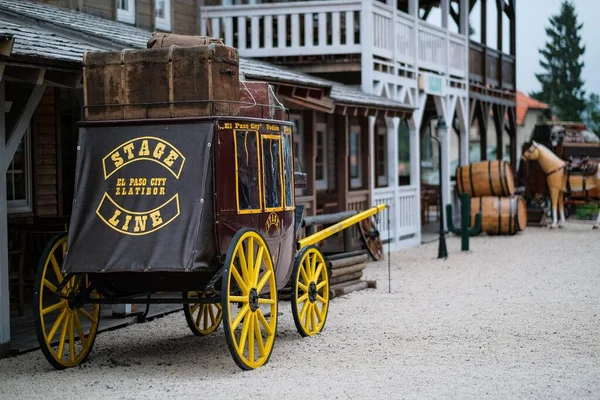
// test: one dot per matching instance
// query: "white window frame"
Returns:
(356, 183)
(127, 16)
(22, 206)
(164, 24)
(321, 129)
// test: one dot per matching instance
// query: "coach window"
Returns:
(247, 172)
(288, 170)
(272, 176)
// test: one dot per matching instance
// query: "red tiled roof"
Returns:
(524, 103)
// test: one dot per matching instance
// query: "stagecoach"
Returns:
(200, 209)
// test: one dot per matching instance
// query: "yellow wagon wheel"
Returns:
(310, 291)
(202, 318)
(249, 300)
(66, 330)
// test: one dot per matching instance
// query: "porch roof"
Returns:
(56, 34)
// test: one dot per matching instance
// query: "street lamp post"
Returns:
(442, 249)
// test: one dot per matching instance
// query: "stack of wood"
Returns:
(347, 271)
(490, 184)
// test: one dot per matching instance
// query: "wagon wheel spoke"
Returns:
(240, 315)
(258, 335)
(239, 280)
(257, 264)
(79, 330)
(244, 333)
(263, 281)
(250, 334)
(71, 339)
(87, 315)
(264, 323)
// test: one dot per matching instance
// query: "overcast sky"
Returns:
(532, 19)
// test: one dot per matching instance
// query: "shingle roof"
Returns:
(524, 104)
(51, 32)
(262, 70)
(37, 42)
(95, 27)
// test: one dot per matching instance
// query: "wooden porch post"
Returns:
(342, 132)
(371, 159)
(499, 111)
(310, 148)
(4, 295)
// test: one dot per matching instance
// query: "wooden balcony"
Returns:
(332, 28)
(491, 70)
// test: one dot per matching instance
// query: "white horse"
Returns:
(556, 176)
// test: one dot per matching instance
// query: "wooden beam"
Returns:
(64, 79)
(22, 123)
(6, 45)
(4, 295)
(427, 11)
(513, 33)
(484, 41)
(499, 118)
(342, 130)
(455, 16)
(29, 75)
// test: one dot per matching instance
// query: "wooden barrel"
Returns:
(500, 215)
(485, 178)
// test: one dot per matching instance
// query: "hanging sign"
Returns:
(432, 84)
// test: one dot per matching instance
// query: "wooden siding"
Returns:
(144, 14)
(185, 16)
(100, 8)
(45, 202)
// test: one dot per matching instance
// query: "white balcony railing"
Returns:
(402, 212)
(330, 27)
(287, 29)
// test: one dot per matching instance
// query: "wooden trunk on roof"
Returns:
(161, 83)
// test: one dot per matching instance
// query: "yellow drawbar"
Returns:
(333, 229)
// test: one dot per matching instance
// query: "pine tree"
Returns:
(562, 86)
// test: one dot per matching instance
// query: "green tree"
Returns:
(562, 86)
(592, 113)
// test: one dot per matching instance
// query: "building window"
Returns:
(126, 11)
(162, 14)
(355, 157)
(381, 153)
(18, 178)
(321, 157)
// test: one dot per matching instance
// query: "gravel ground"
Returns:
(517, 317)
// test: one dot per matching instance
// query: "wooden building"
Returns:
(418, 52)
(41, 48)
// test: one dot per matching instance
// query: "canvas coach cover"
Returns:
(143, 199)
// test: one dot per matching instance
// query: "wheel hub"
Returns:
(312, 292)
(253, 299)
